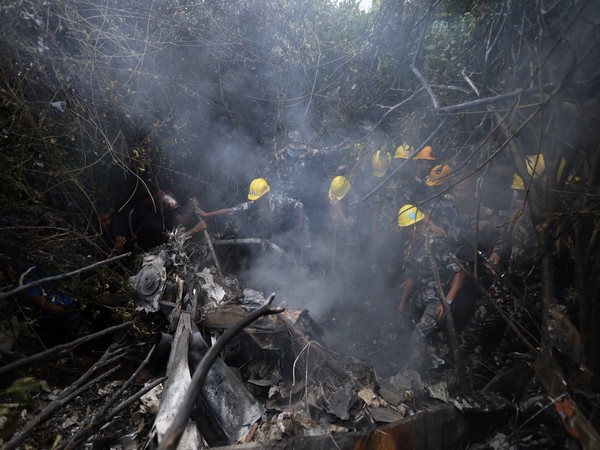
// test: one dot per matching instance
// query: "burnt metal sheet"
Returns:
(385, 415)
(227, 410)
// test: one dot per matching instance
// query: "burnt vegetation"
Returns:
(105, 101)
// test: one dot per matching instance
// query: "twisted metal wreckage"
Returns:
(308, 398)
(289, 390)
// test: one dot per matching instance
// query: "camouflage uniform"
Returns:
(391, 199)
(277, 220)
(290, 166)
(426, 298)
(483, 333)
(443, 213)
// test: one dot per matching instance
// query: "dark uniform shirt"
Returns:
(420, 269)
(444, 213)
(281, 220)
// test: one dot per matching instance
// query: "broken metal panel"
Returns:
(385, 415)
(214, 292)
(341, 402)
(269, 332)
(227, 403)
(176, 387)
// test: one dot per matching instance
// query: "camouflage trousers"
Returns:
(424, 328)
(485, 329)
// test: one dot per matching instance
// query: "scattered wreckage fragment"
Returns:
(294, 391)
(304, 388)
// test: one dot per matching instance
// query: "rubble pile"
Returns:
(275, 384)
(276, 379)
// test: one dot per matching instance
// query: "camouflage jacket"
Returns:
(420, 268)
(281, 219)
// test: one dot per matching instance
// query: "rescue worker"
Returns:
(424, 160)
(380, 163)
(398, 192)
(444, 212)
(56, 315)
(402, 153)
(363, 182)
(438, 175)
(428, 253)
(412, 180)
(509, 268)
(153, 217)
(494, 208)
(338, 190)
(387, 242)
(272, 216)
(113, 230)
(343, 236)
(291, 159)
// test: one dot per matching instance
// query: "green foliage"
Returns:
(444, 51)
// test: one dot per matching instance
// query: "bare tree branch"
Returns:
(59, 350)
(62, 276)
(434, 100)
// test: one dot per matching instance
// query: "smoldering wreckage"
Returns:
(289, 390)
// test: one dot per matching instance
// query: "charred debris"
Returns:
(231, 369)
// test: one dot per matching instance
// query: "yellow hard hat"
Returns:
(409, 215)
(339, 188)
(425, 154)
(380, 161)
(517, 183)
(258, 188)
(438, 175)
(537, 162)
(404, 151)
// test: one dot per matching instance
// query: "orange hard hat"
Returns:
(425, 154)
(438, 175)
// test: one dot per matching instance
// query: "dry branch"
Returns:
(62, 276)
(101, 416)
(434, 100)
(83, 383)
(59, 350)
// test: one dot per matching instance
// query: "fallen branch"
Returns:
(59, 350)
(100, 417)
(173, 435)
(434, 100)
(495, 98)
(252, 432)
(470, 83)
(62, 276)
(79, 386)
(113, 412)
